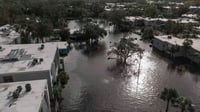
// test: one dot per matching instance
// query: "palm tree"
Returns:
(187, 45)
(173, 50)
(184, 104)
(169, 95)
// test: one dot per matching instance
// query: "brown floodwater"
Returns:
(93, 87)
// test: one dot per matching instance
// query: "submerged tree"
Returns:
(63, 78)
(124, 49)
(91, 33)
(147, 33)
(117, 18)
(64, 34)
(184, 104)
(57, 90)
(187, 45)
(169, 95)
(174, 49)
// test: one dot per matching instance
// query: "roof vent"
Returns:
(35, 61)
(17, 92)
(169, 37)
(41, 47)
(28, 87)
(41, 60)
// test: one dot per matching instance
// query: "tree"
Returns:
(96, 9)
(187, 45)
(173, 50)
(151, 11)
(169, 95)
(147, 33)
(43, 29)
(64, 34)
(117, 17)
(184, 104)
(57, 90)
(124, 49)
(63, 78)
(172, 27)
(92, 33)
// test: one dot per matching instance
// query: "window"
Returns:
(8, 79)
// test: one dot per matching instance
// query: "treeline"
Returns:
(14, 11)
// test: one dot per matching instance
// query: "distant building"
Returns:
(191, 16)
(22, 62)
(194, 7)
(8, 35)
(165, 44)
(160, 21)
(28, 96)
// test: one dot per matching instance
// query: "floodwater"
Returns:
(94, 88)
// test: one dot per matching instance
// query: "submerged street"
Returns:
(94, 88)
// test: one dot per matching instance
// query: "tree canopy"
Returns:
(148, 33)
(124, 49)
(169, 95)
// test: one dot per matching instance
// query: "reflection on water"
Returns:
(92, 88)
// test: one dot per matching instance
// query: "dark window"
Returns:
(8, 79)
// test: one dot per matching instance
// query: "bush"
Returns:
(63, 78)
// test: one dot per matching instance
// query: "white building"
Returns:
(16, 97)
(8, 35)
(191, 16)
(22, 62)
(166, 42)
(194, 7)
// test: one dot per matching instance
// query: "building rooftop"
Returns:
(27, 57)
(8, 34)
(178, 41)
(166, 7)
(195, 16)
(27, 101)
(178, 20)
(194, 7)
(176, 3)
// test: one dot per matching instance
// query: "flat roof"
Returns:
(25, 53)
(178, 41)
(8, 34)
(190, 15)
(27, 101)
(194, 7)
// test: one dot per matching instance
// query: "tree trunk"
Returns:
(139, 67)
(182, 109)
(37, 40)
(124, 60)
(167, 108)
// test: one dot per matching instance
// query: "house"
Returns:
(190, 16)
(27, 96)
(8, 35)
(174, 46)
(22, 62)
